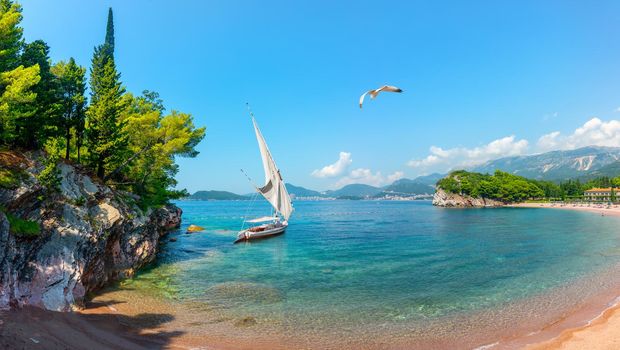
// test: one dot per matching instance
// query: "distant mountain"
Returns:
(299, 191)
(429, 179)
(216, 196)
(609, 170)
(558, 165)
(408, 186)
(354, 191)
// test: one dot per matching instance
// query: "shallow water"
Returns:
(402, 272)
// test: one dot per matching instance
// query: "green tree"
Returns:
(72, 87)
(15, 98)
(109, 34)
(10, 35)
(44, 120)
(155, 140)
(16, 81)
(107, 141)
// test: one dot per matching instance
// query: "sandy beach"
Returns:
(601, 209)
(604, 331)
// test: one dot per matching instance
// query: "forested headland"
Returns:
(85, 116)
(510, 188)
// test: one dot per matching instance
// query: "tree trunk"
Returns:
(68, 136)
(100, 169)
(78, 144)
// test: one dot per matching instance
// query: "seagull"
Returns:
(374, 93)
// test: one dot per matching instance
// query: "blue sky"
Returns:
(482, 79)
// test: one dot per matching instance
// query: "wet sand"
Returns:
(602, 332)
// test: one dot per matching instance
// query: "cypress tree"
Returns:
(109, 33)
(105, 136)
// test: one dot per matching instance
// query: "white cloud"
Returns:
(594, 132)
(396, 176)
(441, 159)
(338, 168)
(367, 177)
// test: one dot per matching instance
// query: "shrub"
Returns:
(49, 177)
(23, 228)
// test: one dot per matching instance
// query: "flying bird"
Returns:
(374, 93)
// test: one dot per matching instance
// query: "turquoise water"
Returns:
(345, 264)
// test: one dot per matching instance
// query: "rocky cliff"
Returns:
(90, 235)
(445, 199)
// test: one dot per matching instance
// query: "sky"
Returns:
(481, 80)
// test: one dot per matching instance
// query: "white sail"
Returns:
(274, 189)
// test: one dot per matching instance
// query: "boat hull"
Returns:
(248, 235)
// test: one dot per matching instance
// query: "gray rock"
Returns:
(90, 236)
(445, 199)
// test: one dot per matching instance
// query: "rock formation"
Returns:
(446, 199)
(90, 235)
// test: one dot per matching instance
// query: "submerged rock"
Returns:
(195, 228)
(246, 322)
(90, 235)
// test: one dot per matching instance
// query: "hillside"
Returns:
(353, 191)
(557, 165)
(216, 196)
(429, 179)
(408, 186)
(299, 191)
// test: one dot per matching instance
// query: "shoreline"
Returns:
(600, 332)
(110, 321)
(602, 209)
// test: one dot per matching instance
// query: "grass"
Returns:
(20, 227)
(8, 179)
(23, 228)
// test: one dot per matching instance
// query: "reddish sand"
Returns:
(602, 209)
(603, 332)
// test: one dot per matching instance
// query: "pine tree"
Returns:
(11, 41)
(45, 119)
(72, 87)
(16, 82)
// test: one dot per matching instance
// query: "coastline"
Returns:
(116, 319)
(602, 209)
(600, 332)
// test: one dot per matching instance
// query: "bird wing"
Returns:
(390, 88)
(362, 97)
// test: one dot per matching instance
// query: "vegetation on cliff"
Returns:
(510, 188)
(500, 186)
(129, 142)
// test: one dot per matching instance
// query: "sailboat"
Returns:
(274, 191)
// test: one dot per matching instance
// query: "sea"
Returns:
(382, 274)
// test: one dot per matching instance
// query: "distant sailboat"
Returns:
(274, 192)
